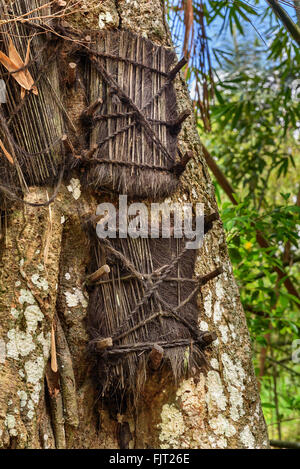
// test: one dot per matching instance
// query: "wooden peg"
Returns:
(102, 344)
(209, 337)
(71, 77)
(69, 146)
(90, 153)
(155, 357)
(172, 74)
(54, 366)
(181, 165)
(94, 220)
(58, 6)
(208, 221)
(176, 124)
(93, 278)
(91, 109)
(215, 273)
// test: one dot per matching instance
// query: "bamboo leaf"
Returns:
(13, 63)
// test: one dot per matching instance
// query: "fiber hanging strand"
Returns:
(142, 302)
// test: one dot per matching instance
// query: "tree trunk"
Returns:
(43, 262)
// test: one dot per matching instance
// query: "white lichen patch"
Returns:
(40, 282)
(232, 330)
(215, 397)
(219, 289)
(172, 427)
(208, 304)
(203, 326)
(75, 299)
(26, 297)
(30, 405)
(46, 438)
(214, 363)
(233, 372)
(218, 309)
(45, 343)
(33, 315)
(15, 313)
(105, 18)
(194, 193)
(23, 398)
(75, 188)
(222, 426)
(236, 403)
(20, 343)
(224, 332)
(2, 351)
(247, 438)
(256, 415)
(188, 393)
(35, 395)
(34, 370)
(222, 443)
(10, 423)
(132, 2)
(41, 267)
(234, 376)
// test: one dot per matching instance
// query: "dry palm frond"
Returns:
(6, 153)
(15, 65)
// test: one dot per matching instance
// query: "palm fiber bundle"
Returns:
(146, 302)
(136, 127)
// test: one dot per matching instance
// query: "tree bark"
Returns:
(43, 263)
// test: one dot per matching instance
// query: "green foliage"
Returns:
(255, 119)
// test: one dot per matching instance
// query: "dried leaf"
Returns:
(54, 366)
(27, 53)
(33, 88)
(6, 153)
(14, 55)
(14, 62)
